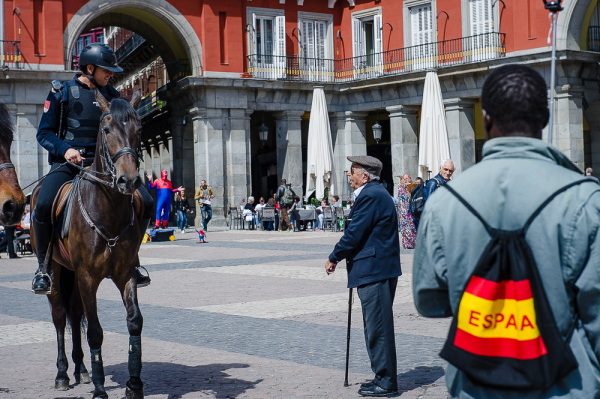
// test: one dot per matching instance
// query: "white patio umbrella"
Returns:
(433, 137)
(320, 170)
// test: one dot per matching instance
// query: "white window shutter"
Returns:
(321, 36)
(310, 39)
(252, 37)
(356, 38)
(280, 36)
(377, 22)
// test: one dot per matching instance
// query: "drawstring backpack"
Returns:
(504, 334)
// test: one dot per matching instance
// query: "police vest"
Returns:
(82, 118)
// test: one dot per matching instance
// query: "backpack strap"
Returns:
(548, 200)
(488, 228)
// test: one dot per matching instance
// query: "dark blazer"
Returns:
(370, 243)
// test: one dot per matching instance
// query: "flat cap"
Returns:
(370, 164)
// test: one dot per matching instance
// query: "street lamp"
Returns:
(263, 133)
(376, 132)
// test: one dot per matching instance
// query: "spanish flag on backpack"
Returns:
(504, 334)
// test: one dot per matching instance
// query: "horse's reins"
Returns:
(110, 163)
(6, 166)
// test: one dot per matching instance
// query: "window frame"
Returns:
(406, 18)
(318, 17)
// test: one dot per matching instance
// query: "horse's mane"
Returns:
(122, 111)
(6, 127)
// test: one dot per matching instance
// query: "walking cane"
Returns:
(348, 336)
(554, 7)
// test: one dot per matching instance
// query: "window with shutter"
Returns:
(367, 43)
(482, 25)
(266, 42)
(423, 49)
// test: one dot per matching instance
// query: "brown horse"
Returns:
(103, 241)
(12, 200)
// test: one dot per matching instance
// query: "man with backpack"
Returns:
(446, 171)
(417, 201)
(285, 196)
(515, 261)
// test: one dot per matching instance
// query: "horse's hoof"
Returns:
(134, 393)
(82, 378)
(100, 394)
(61, 384)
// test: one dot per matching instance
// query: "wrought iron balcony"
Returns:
(11, 54)
(393, 62)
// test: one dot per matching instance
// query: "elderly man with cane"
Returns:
(371, 247)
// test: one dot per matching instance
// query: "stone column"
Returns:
(348, 135)
(405, 150)
(460, 123)
(176, 126)
(568, 123)
(29, 158)
(208, 157)
(238, 161)
(289, 148)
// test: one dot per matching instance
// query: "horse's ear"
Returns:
(104, 105)
(135, 100)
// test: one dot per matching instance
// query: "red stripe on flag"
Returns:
(500, 347)
(491, 290)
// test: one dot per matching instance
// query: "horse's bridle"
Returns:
(108, 159)
(6, 166)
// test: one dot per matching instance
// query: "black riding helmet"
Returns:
(99, 54)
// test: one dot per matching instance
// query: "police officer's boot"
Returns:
(142, 280)
(42, 282)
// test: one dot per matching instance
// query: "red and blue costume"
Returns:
(163, 197)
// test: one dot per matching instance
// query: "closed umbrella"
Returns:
(320, 170)
(433, 137)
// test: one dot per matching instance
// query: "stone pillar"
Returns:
(348, 135)
(404, 147)
(176, 126)
(238, 161)
(568, 123)
(208, 157)
(29, 158)
(460, 123)
(289, 148)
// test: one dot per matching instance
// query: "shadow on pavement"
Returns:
(419, 377)
(177, 380)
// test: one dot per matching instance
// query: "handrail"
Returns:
(388, 63)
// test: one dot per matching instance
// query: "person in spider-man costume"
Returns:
(163, 197)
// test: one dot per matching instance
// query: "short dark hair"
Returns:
(516, 98)
(418, 180)
(283, 181)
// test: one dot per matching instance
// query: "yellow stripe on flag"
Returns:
(502, 318)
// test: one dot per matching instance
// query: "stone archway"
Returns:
(570, 23)
(156, 20)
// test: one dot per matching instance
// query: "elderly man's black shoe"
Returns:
(367, 384)
(377, 391)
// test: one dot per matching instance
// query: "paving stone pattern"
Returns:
(246, 315)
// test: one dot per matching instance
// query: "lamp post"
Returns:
(554, 7)
(263, 133)
(376, 132)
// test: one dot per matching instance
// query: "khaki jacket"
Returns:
(200, 195)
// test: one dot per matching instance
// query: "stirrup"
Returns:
(145, 278)
(42, 292)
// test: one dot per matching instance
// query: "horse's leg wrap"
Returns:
(97, 368)
(134, 363)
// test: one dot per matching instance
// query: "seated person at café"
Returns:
(251, 208)
(320, 215)
(270, 226)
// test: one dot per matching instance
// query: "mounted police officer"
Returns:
(68, 130)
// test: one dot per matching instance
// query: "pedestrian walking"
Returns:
(371, 247)
(551, 311)
(204, 196)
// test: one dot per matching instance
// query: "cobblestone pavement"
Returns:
(246, 315)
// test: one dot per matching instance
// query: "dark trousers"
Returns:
(376, 300)
(8, 241)
(206, 211)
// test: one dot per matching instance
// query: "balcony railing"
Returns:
(394, 62)
(129, 46)
(10, 51)
(594, 38)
